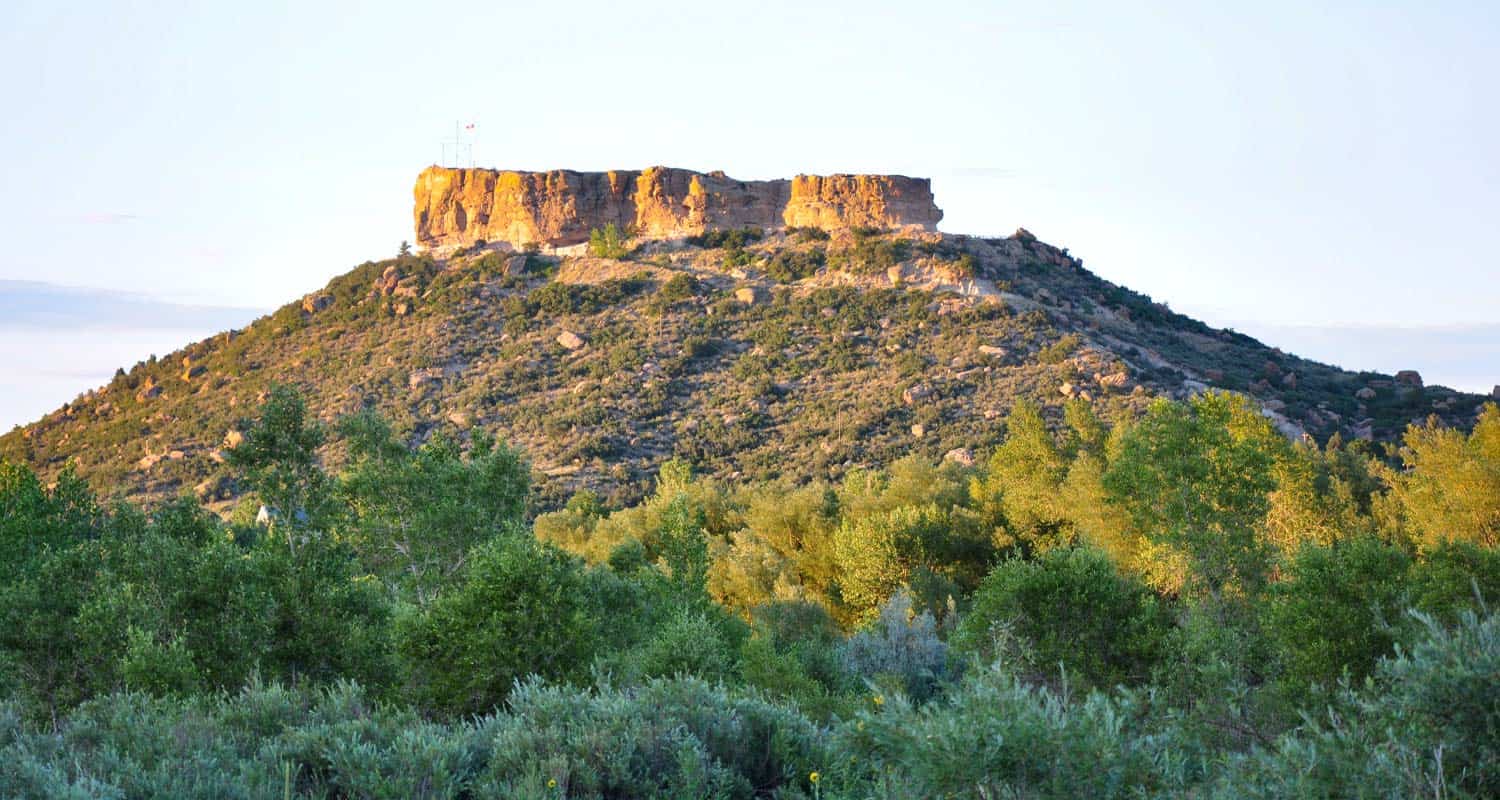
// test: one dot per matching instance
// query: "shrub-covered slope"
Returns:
(798, 355)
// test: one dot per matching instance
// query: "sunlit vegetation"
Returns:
(1178, 603)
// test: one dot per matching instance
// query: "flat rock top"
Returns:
(456, 207)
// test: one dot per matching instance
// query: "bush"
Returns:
(1336, 610)
(900, 651)
(1070, 608)
(519, 611)
(994, 736)
(1425, 728)
(790, 266)
(730, 239)
(870, 256)
(1454, 576)
(609, 242)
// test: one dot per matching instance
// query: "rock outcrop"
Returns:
(459, 207)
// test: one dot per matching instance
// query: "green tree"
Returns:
(1021, 490)
(520, 610)
(1450, 487)
(1073, 608)
(278, 459)
(1196, 476)
(684, 549)
(1336, 609)
(414, 515)
(611, 241)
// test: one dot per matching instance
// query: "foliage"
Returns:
(1450, 485)
(735, 638)
(279, 460)
(1196, 477)
(414, 515)
(1070, 609)
(519, 611)
(1336, 609)
(611, 241)
(901, 650)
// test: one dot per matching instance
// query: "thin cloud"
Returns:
(37, 305)
(106, 218)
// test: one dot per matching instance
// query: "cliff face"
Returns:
(457, 207)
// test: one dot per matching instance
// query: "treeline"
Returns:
(1183, 604)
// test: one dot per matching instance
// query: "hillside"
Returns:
(755, 353)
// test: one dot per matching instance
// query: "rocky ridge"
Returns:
(458, 207)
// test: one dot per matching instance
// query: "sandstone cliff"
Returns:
(456, 207)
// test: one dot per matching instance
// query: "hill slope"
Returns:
(792, 354)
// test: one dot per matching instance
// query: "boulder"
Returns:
(1365, 393)
(962, 456)
(423, 376)
(571, 340)
(920, 391)
(1114, 380)
(992, 351)
(233, 439)
(314, 303)
(387, 281)
(749, 295)
(1409, 377)
(149, 390)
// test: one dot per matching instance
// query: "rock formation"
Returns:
(459, 207)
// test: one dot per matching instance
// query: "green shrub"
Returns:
(1336, 609)
(1454, 576)
(1425, 728)
(1071, 609)
(609, 242)
(790, 266)
(519, 611)
(995, 736)
(729, 239)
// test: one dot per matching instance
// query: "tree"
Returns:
(1196, 476)
(1336, 609)
(278, 459)
(684, 549)
(1020, 491)
(404, 250)
(1069, 607)
(1450, 488)
(877, 554)
(611, 241)
(520, 610)
(415, 514)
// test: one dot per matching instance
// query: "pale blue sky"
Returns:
(1254, 164)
